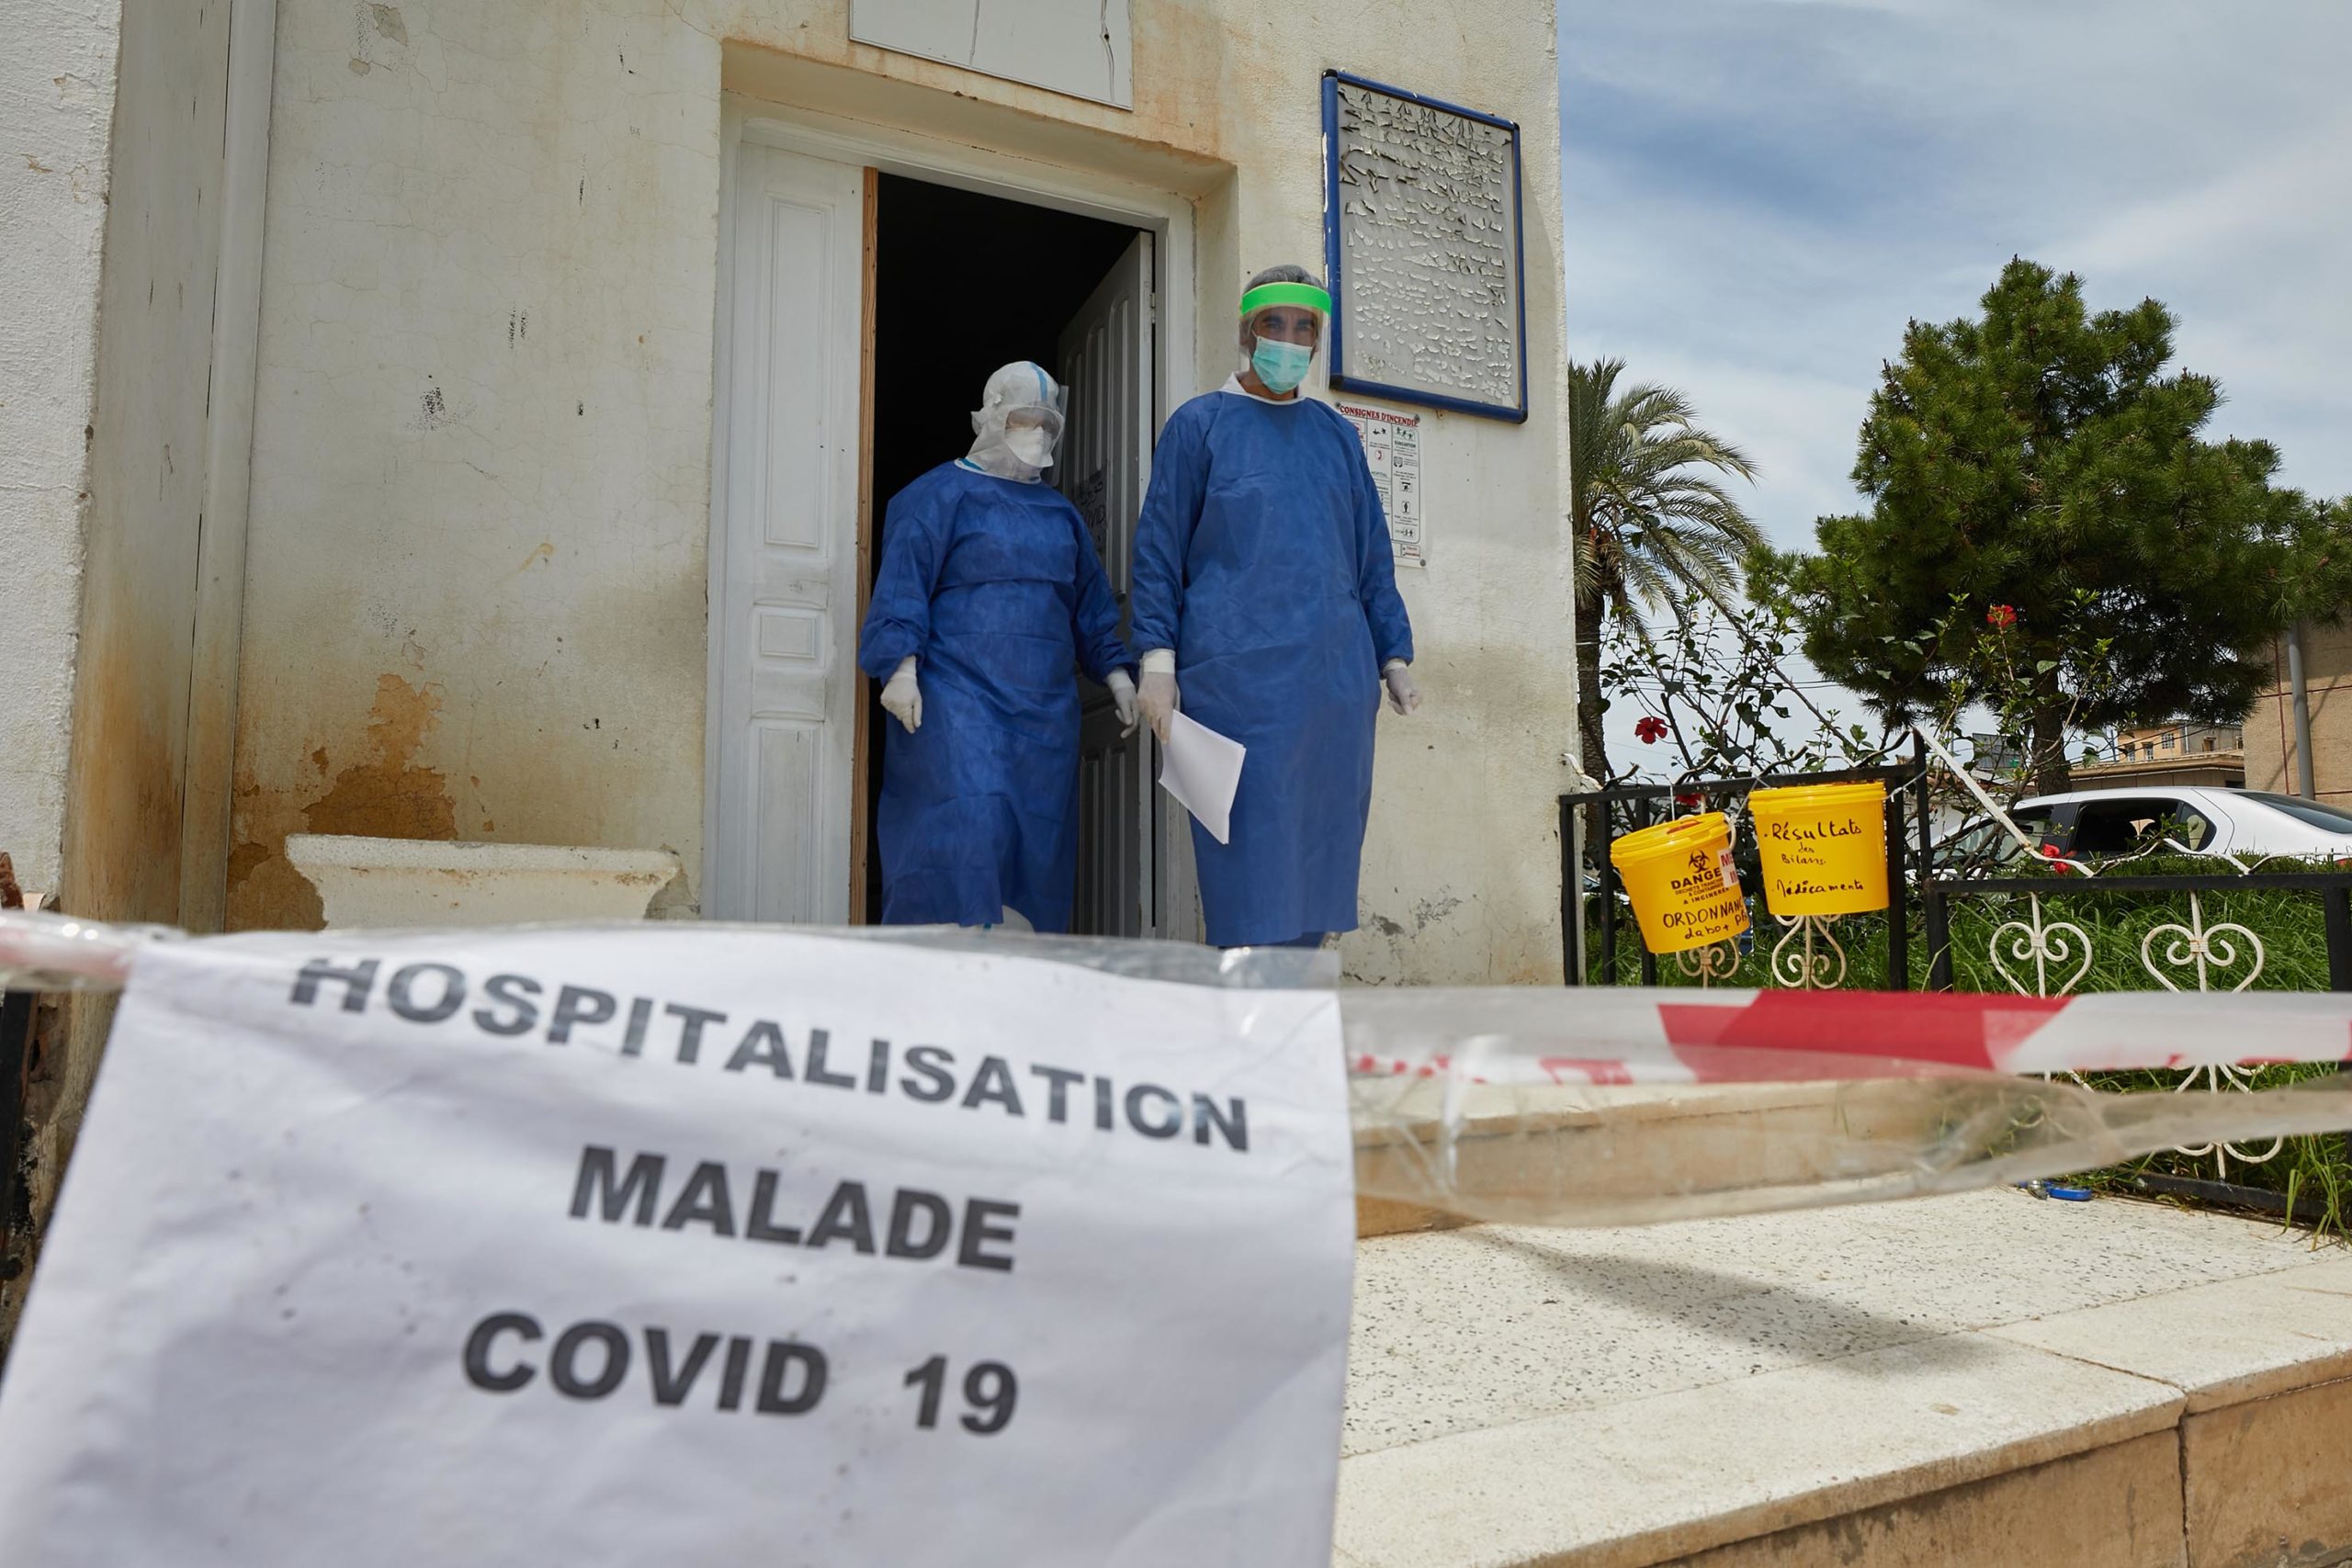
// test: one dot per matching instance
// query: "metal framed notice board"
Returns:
(1421, 234)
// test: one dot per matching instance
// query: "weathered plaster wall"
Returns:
(147, 462)
(474, 591)
(141, 498)
(57, 80)
(482, 462)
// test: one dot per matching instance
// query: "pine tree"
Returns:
(2039, 465)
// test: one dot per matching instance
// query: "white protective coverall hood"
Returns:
(1018, 424)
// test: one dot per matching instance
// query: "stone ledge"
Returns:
(1639, 1483)
(394, 884)
(2266, 1480)
(1460, 1330)
(1909, 1382)
(2220, 1344)
(2117, 1506)
(1389, 1217)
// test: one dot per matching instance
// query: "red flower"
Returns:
(1650, 730)
(1688, 798)
(2002, 616)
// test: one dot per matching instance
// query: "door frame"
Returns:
(217, 634)
(896, 150)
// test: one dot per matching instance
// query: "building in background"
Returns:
(2178, 753)
(1991, 756)
(2272, 753)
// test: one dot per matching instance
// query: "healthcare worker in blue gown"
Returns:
(989, 600)
(1265, 600)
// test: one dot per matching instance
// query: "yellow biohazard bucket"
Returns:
(1824, 848)
(1681, 880)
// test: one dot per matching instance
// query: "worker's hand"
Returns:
(1123, 698)
(1403, 695)
(1160, 702)
(901, 698)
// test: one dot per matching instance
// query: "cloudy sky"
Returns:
(1762, 192)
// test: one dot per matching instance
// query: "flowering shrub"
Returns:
(1715, 685)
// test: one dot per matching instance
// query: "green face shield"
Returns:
(1301, 294)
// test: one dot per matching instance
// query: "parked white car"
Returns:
(2242, 822)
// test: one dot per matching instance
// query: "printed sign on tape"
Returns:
(694, 1246)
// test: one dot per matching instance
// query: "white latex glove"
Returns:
(1158, 699)
(1123, 697)
(1403, 695)
(901, 698)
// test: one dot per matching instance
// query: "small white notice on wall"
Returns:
(661, 1244)
(1392, 448)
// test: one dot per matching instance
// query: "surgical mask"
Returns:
(1281, 366)
(1033, 447)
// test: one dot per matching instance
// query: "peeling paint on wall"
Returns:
(385, 793)
(388, 795)
(373, 27)
(1428, 911)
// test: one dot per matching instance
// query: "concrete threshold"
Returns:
(1620, 1147)
(1981, 1378)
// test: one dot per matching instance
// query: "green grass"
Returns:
(2312, 1173)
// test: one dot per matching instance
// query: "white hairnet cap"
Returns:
(1021, 388)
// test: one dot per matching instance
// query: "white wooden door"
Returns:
(1104, 463)
(785, 596)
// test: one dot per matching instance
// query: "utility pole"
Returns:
(2301, 695)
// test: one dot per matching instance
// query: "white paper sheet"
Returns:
(636, 1246)
(1202, 769)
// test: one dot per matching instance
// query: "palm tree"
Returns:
(1651, 524)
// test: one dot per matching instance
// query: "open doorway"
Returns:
(965, 283)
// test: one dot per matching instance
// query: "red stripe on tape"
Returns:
(1962, 1029)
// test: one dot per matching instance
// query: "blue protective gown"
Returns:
(1262, 558)
(994, 586)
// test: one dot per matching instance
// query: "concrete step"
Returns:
(1632, 1148)
(1974, 1379)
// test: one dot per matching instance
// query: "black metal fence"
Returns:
(2331, 889)
(2045, 963)
(2032, 944)
(1909, 846)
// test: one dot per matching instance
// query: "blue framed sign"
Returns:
(1422, 241)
